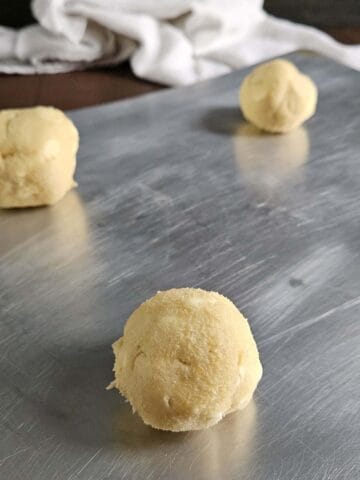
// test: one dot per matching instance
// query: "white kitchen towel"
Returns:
(173, 42)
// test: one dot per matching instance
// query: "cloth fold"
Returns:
(173, 42)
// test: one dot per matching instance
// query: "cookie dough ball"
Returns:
(37, 156)
(277, 97)
(187, 359)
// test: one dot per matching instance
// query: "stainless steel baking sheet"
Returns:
(176, 190)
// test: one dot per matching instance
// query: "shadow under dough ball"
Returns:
(187, 359)
(277, 97)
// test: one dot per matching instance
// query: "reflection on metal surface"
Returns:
(230, 442)
(270, 163)
(65, 224)
(239, 446)
(51, 244)
(69, 224)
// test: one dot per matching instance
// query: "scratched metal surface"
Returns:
(176, 190)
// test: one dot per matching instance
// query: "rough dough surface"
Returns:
(187, 359)
(277, 97)
(37, 156)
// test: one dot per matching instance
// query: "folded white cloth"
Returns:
(173, 42)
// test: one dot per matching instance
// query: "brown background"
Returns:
(340, 18)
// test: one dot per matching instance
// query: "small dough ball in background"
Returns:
(277, 97)
(187, 359)
(37, 156)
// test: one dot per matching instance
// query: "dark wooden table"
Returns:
(92, 87)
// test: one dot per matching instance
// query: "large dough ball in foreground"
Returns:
(277, 97)
(37, 156)
(187, 359)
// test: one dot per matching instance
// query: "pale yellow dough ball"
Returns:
(277, 97)
(187, 359)
(37, 156)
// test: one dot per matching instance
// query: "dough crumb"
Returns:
(277, 97)
(37, 156)
(198, 360)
